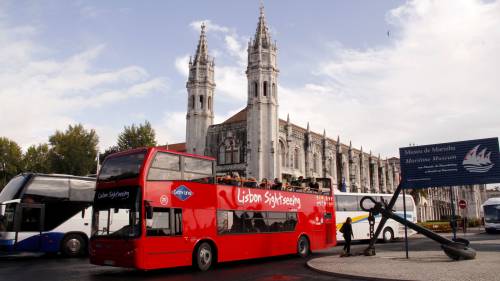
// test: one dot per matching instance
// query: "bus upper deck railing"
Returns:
(249, 183)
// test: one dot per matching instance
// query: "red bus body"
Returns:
(315, 219)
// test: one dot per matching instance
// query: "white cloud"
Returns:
(182, 65)
(171, 128)
(210, 26)
(236, 49)
(437, 81)
(40, 94)
(231, 83)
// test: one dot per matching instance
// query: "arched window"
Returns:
(192, 102)
(265, 88)
(315, 162)
(229, 153)
(282, 154)
(256, 89)
(296, 158)
(274, 90)
(209, 103)
(222, 151)
(201, 102)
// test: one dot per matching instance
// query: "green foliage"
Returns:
(10, 160)
(473, 222)
(74, 151)
(36, 159)
(136, 136)
(437, 226)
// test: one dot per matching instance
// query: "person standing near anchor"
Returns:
(346, 230)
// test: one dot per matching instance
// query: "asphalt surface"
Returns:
(55, 268)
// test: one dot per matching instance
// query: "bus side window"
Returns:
(347, 203)
(198, 170)
(159, 225)
(177, 227)
(165, 166)
(165, 222)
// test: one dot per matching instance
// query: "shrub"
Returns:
(437, 226)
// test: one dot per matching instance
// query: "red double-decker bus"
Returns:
(156, 208)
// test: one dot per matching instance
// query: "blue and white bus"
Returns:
(348, 205)
(491, 209)
(46, 214)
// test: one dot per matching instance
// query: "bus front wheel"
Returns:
(303, 247)
(204, 257)
(388, 235)
(73, 245)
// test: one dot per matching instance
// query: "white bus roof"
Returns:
(492, 201)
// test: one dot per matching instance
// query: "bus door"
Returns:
(29, 226)
(165, 244)
(329, 225)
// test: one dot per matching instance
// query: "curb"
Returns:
(343, 275)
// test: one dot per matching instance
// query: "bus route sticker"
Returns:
(183, 193)
(164, 200)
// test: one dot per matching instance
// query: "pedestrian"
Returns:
(465, 222)
(346, 230)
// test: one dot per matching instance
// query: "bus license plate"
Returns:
(109, 262)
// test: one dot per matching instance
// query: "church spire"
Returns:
(202, 49)
(262, 37)
(200, 87)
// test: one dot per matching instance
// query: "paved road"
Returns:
(56, 268)
(273, 269)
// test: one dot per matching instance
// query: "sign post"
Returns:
(439, 165)
(453, 217)
(451, 164)
(462, 204)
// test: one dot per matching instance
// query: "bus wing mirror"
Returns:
(149, 212)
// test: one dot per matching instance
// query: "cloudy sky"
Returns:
(383, 74)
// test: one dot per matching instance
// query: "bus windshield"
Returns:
(122, 167)
(12, 188)
(116, 213)
(492, 213)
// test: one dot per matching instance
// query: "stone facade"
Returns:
(435, 203)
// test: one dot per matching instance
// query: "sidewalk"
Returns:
(426, 262)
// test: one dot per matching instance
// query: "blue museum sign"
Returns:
(450, 164)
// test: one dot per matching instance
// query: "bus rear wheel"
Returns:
(388, 235)
(303, 247)
(204, 257)
(73, 245)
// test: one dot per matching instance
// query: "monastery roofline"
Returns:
(241, 116)
(344, 146)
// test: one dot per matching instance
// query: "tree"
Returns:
(10, 160)
(136, 136)
(74, 151)
(36, 159)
